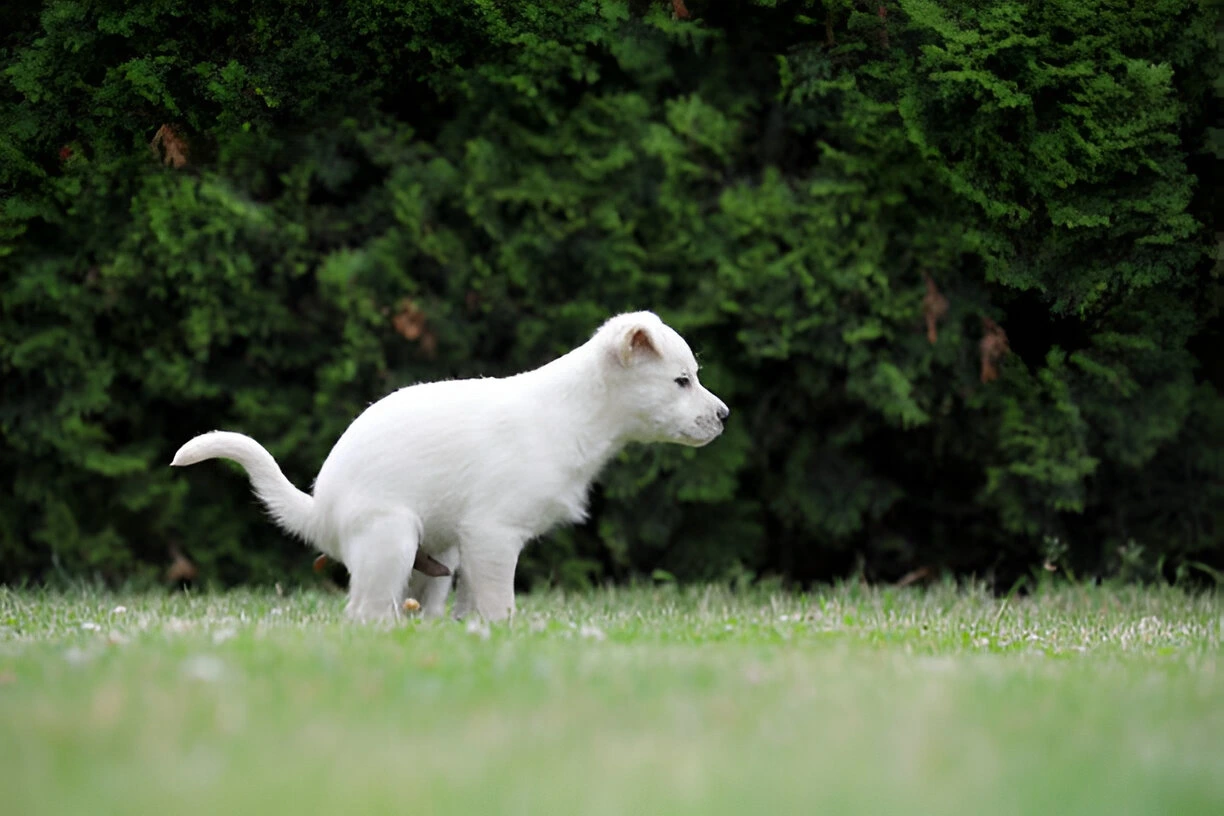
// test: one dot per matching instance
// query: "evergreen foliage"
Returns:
(951, 264)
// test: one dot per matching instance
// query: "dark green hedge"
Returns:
(262, 216)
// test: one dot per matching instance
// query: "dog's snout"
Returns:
(723, 412)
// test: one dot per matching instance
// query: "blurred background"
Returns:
(954, 266)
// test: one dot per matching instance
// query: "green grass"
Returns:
(649, 700)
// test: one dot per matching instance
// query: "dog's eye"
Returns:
(683, 381)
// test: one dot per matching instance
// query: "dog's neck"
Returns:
(581, 415)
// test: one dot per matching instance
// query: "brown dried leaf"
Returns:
(934, 308)
(993, 348)
(181, 570)
(679, 10)
(914, 576)
(169, 146)
(411, 324)
(409, 320)
(429, 344)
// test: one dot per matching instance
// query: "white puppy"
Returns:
(468, 471)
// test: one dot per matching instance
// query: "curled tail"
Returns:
(292, 509)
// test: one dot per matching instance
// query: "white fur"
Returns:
(470, 470)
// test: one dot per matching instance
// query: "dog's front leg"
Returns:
(487, 559)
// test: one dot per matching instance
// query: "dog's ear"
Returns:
(635, 343)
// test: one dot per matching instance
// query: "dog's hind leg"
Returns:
(379, 551)
(432, 592)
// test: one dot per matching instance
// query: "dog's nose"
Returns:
(723, 412)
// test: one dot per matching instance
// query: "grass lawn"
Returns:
(850, 700)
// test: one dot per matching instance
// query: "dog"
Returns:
(458, 475)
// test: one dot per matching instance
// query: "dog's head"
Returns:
(652, 377)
